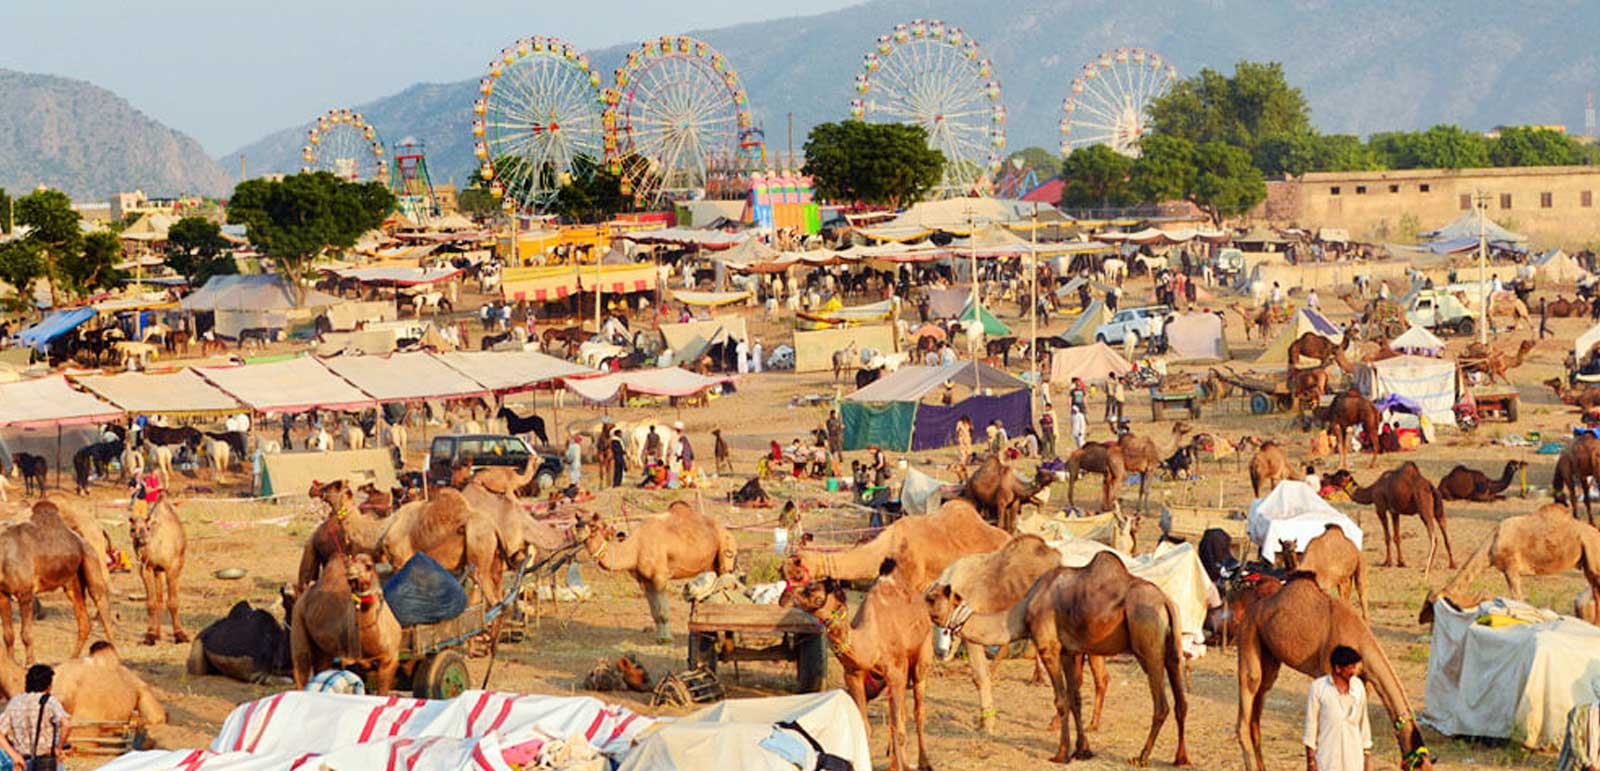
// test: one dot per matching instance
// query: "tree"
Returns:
(6, 212)
(295, 219)
(1226, 183)
(20, 266)
(195, 249)
(1526, 146)
(1165, 169)
(874, 163)
(1440, 147)
(591, 194)
(93, 266)
(55, 229)
(1257, 102)
(1299, 153)
(1095, 176)
(1045, 163)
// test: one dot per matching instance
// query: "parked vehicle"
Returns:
(1141, 323)
(485, 451)
(1441, 311)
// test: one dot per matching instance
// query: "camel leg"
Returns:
(1102, 683)
(855, 681)
(1053, 661)
(10, 633)
(1388, 556)
(152, 605)
(1394, 526)
(386, 673)
(25, 612)
(80, 613)
(1445, 533)
(895, 686)
(919, 683)
(1150, 660)
(1513, 585)
(978, 659)
(1433, 546)
(657, 598)
(178, 635)
(1074, 676)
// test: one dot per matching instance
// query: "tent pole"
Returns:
(58, 456)
(1033, 302)
(977, 305)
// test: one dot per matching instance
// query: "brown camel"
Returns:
(1562, 308)
(89, 529)
(1586, 399)
(1543, 543)
(996, 491)
(1268, 467)
(159, 542)
(346, 530)
(501, 480)
(888, 638)
(1300, 625)
(344, 616)
(1336, 562)
(1311, 345)
(519, 531)
(979, 600)
(1578, 463)
(682, 543)
(1398, 491)
(1351, 409)
(1141, 456)
(922, 547)
(1103, 458)
(95, 688)
(41, 555)
(1465, 484)
(1306, 386)
(449, 530)
(1258, 318)
(1496, 363)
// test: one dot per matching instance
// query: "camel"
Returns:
(1544, 543)
(996, 491)
(159, 542)
(249, 644)
(1306, 387)
(1495, 363)
(1103, 458)
(517, 529)
(922, 548)
(1335, 561)
(501, 480)
(1269, 466)
(89, 529)
(326, 625)
(347, 530)
(888, 638)
(1351, 409)
(1465, 484)
(95, 688)
(1586, 399)
(1300, 625)
(1311, 345)
(1259, 318)
(1562, 308)
(1141, 456)
(1579, 463)
(1507, 303)
(979, 599)
(40, 555)
(1401, 490)
(682, 543)
(449, 530)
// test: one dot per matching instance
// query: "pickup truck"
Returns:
(1441, 311)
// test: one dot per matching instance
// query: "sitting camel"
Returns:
(324, 628)
(922, 547)
(248, 644)
(979, 599)
(346, 530)
(1578, 464)
(682, 543)
(1465, 484)
(1103, 458)
(888, 638)
(1401, 490)
(997, 492)
(159, 542)
(504, 480)
(95, 688)
(1546, 542)
(1268, 467)
(1335, 561)
(447, 528)
(1300, 625)
(43, 554)
(1586, 399)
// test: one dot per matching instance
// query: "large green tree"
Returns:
(1527, 146)
(54, 229)
(6, 212)
(874, 163)
(1095, 176)
(20, 266)
(1243, 110)
(93, 266)
(1440, 147)
(298, 218)
(1218, 178)
(1165, 170)
(196, 250)
(591, 193)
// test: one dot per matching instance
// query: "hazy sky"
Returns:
(229, 71)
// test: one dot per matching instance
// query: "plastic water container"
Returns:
(833, 484)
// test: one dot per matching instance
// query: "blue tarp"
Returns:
(936, 424)
(1398, 403)
(56, 324)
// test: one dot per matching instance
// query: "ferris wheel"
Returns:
(343, 142)
(934, 75)
(678, 109)
(1109, 99)
(538, 111)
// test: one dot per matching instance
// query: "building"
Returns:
(136, 202)
(1553, 205)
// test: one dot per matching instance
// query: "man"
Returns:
(619, 458)
(835, 429)
(652, 445)
(1312, 301)
(756, 362)
(1114, 399)
(1276, 298)
(1047, 431)
(35, 725)
(720, 452)
(742, 351)
(574, 459)
(1338, 735)
(684, 452)
(1080, 427)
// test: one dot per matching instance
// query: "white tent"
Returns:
(511, 371)
(179, 393)
(287, 386)
(1294, 512)
(1093, 362)
(1586, 343)
(1558, 266)
(1430, 383)
(1417, 340)
(403, 377)
(1196, 337)
(731, 734)
(50, 401)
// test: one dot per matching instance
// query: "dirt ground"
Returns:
(562, 645)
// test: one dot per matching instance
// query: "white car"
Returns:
(1140, 324)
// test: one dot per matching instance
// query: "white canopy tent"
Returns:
(1294, 512)
(178, 393)
(404, 377)
(288, 386)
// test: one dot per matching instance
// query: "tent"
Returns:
(1465, 228)
(895, 413)
(710, 299)
(505, 372)
(1430, 383)
(1093, 362)
(946, 303)
(662, 381)
(179, 393)
(347, 316)
(957, 216)
(922, 493)
(252, 292)
(56, 324)
(991, 325)
(1305, 320)
(835, 314)
(1586, 343)
(50, 401)
(736, 733)
(398, 275)
(1196, 337)
(1417, 340)
(404, 377)
(813, 349)
(1510, 681)
(691, 340)
(1558, 266)
(1294, 511)
(1082, 330)
(287, 386)
(287, 474)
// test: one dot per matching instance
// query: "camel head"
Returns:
(801, 567)
(824, 599)
(363, 577)
(1555, 384)
(337, 495)
(1341, 479)
(139, 526)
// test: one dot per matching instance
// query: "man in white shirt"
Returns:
(756, 362)
(1312, 301)
(742, 351)
(1338, 734)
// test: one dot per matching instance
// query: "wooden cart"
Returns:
(1161, 401)
(1265, 395)
(1496, 401)
(724, 632)
(1189, 523)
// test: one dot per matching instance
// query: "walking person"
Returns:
(1047, 431)
(619, 458)
(1114, 400)
(35, 725)
(1338, 735)
(835, 429)
(720, 452)
(574, 459)
(1080, 427)
(685, 451)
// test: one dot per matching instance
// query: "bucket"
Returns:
(833, 484)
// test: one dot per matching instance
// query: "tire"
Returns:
(441, 676)
(545, 480)
(1101, 338)
(810, 662)
(1465, 327)
(1260, 404)
(1511, 409)
(703, 650)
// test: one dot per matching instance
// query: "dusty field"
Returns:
(564, 644)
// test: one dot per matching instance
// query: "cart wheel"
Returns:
(810, 662)
(1511, 409)
(441, 676)
(703, 650)
(1260, 404)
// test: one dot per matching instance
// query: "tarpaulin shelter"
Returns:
(691, 340)
(1294, 512)
(50, 401)
(618, 279)
(896, 412)
(992, 327)
(1585, 343)
(347, 316)
(710, 299)
(292, 473)
(539, 284)
(1196, 337)
(813, 349)
(1305, 320)
(1465, 228)
(1556, 265)
(704, 239)
(957, 216)
(1081, 332)
(661, 381)
(397, 275)
(404, 377)
(178, 393)
(287, 386)
(849, 316)
(253, 292)
(946, 303)
(505, 372)
(55, 325)
(738, 734)
(1429, 382)
(1417, 340)
(1514, 681)
(1093, 362)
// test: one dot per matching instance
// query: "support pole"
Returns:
(1483, 262)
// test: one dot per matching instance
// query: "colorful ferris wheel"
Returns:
(538, 111)
(343, 142)
(934, 75)
(677, 111)
(1110, 98)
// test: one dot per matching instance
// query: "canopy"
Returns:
(912, 383)
(258, 292)
(705, 239)
(177, 393)
(1305, 320)
(1509, 681)
(1294, 512)
(992, 327)
(1465, 227)
(1586, 343)
(1419, 341)
(690, 341)
(50, 401)
(1196, 337)
(1082, 330)
(286, 474)
(853, 315)
(663, 381)
(959, 216)
(506, 372)
(747, 255)
(404, 377)
(539, 284)
(618, 278)
(1558, 266)
(946, 303)
(398, 275)
(1431, 383)
(1094, 362)
(710, 299)
(287, 386)
(731, 734)
(55, 325)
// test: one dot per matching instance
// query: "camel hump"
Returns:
(1107, 561)
(1333, 526)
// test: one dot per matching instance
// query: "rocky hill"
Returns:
(89, 142)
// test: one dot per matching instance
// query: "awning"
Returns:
(55, 325)
(705, 239)
(397, 275)
(255, 292)
(709, 299)
(510, 371)
(539, 284)
(50, 401)
(666, 381)
(618, 279)
(177, 393)
(287, 386)
(404, 377)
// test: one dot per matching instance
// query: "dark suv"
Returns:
(484, 451)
